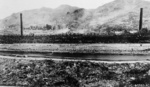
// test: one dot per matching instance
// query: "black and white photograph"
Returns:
(74, 43)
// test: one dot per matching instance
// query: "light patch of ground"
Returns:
(80, 31)
(61, 31)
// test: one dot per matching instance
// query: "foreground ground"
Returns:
(44, 73)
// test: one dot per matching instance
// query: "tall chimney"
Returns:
(141, 19)
(21, 24)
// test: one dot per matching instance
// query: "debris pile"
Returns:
(73, 74)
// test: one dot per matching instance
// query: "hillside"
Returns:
(123, 13)
(118, 14)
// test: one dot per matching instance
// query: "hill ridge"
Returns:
(116, 14)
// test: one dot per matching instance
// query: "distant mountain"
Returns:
(122, 14)
(41, 16)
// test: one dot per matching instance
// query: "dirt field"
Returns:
(79, 48)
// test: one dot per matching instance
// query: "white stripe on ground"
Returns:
(95, 61)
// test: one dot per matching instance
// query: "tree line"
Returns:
(76, 38)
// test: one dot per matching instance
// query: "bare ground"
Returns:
(79, 48)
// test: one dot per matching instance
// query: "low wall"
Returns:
(79, 48)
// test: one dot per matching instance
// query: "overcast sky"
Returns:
(7, 7)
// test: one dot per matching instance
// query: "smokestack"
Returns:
(21, 24)
(141, 19)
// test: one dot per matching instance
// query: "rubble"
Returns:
(73, 74)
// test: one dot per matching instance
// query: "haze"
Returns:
(7, 7)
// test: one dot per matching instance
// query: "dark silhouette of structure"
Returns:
(141, 19)
(21, 24)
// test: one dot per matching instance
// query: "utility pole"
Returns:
(141, 19)
(21, 24)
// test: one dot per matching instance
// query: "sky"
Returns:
(7, 7)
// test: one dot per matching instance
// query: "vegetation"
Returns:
(77, 38)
